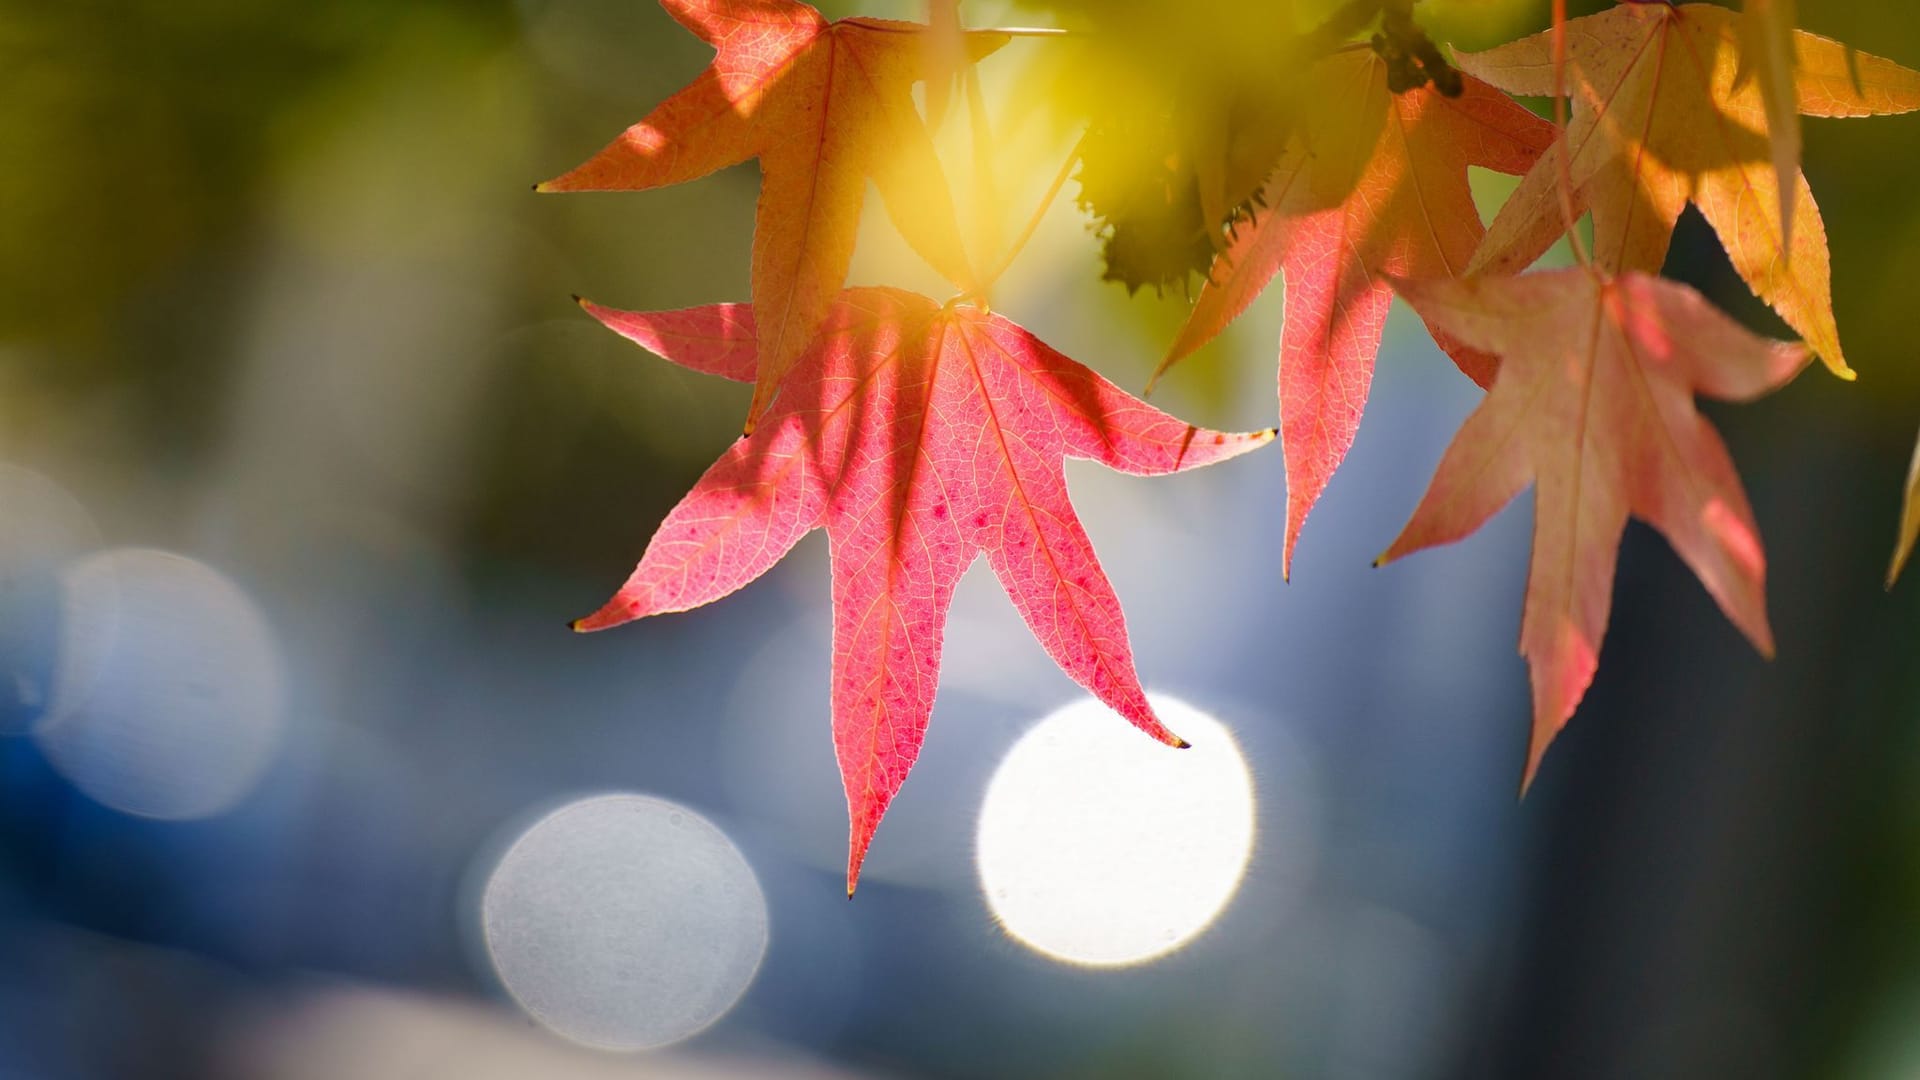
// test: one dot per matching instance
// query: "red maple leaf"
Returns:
(1593, 405)
(824, 106)
(919, 437)
(1378, 187)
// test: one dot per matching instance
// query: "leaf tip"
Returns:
(1835, 363)
(855, 860)
(1901, 553)
(617, 612)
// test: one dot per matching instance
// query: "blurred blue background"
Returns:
(309, 458)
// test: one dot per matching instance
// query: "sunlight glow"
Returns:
(1099, 846)
(624, 922)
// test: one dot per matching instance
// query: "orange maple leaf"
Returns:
(1593, 405)
(1663, 116)
(824, 106)
(1377, 187)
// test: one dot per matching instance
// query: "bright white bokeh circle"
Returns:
(169, 697)
(1100, 846)
(624, 922)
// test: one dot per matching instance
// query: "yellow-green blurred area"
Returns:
(307, 457)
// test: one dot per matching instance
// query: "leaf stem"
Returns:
(1033, 222)
(986, 191)
(1027, 31)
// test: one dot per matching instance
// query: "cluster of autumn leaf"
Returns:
(920, 433)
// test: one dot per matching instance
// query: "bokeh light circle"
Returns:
(624, 922)
(169, 694)
(1102, 847)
